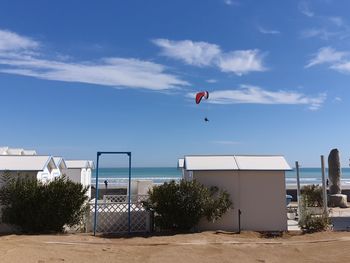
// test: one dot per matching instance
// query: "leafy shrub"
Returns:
(314, 223)
(312, 217)
(181, 205)
(312, 195)
(37, 207)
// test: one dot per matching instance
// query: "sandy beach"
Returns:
(198, 247)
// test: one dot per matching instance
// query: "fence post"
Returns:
(96, 194)
(129, 196)
(324, 187)
(239, 221)
(298, 187)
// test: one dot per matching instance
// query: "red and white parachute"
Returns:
(201, 95)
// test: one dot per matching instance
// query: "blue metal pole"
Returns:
(129, 197)
(96, 194)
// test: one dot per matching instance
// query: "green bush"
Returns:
(37, 207)
(312, 195)
(312, 216)
(180, 206)
(314, 223)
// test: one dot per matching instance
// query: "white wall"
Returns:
(81, 176)
(74, 175)
(260, 195)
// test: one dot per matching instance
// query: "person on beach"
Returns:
(106, 184)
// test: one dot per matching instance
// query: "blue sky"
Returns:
(81, 76)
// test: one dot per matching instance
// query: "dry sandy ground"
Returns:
(198, 247)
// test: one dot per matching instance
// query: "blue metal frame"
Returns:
(129, 185)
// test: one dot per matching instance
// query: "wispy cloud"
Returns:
(338, 99)
(305, 9)
(337, 20)
(321, 33)
(241, 61)
(327, 27)
(192, 53)
(231, 2)
(335, 60)
(247, 94)
(263, 30)
(10, 41)
(206, 54)
(342, 67)
(211, 80)
(326, 55)
(21, 55)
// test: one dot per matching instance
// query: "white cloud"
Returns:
(19, 55)
(263, 30)
(304, 9)
(336, 60)
(326, 55)
(10, 41)
(193, 53)
(122, 72)
(241, 62)
(247, 94)
(211, 80)
(343, 67)
(205, 54)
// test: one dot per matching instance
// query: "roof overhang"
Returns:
(236, 163)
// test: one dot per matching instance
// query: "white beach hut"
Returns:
(80, 171)
(61, 167)
(35, 166)
(180, 165)
(16, 151)
(29, 152)
(256, 185)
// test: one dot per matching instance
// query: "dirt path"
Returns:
(199, 247)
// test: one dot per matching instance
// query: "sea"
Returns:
(159, 175)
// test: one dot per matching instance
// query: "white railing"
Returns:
(113, 216)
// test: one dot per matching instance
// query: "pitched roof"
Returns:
(29, 152)
(92, 164)
(60, 163)
(25, 162)
(210, 163)
(77, 164)
(236, 162)
(15, 151)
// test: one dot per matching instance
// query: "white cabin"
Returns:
(34, 166)
(256, 185)
(16, 151)
(61, 167)
(80, 171)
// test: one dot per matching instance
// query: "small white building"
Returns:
(256, 185)
(34, 166)
(180, 165)
(61, 167)
(80, 171)
(16, 151)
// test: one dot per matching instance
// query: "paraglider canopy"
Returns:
(201, 95)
